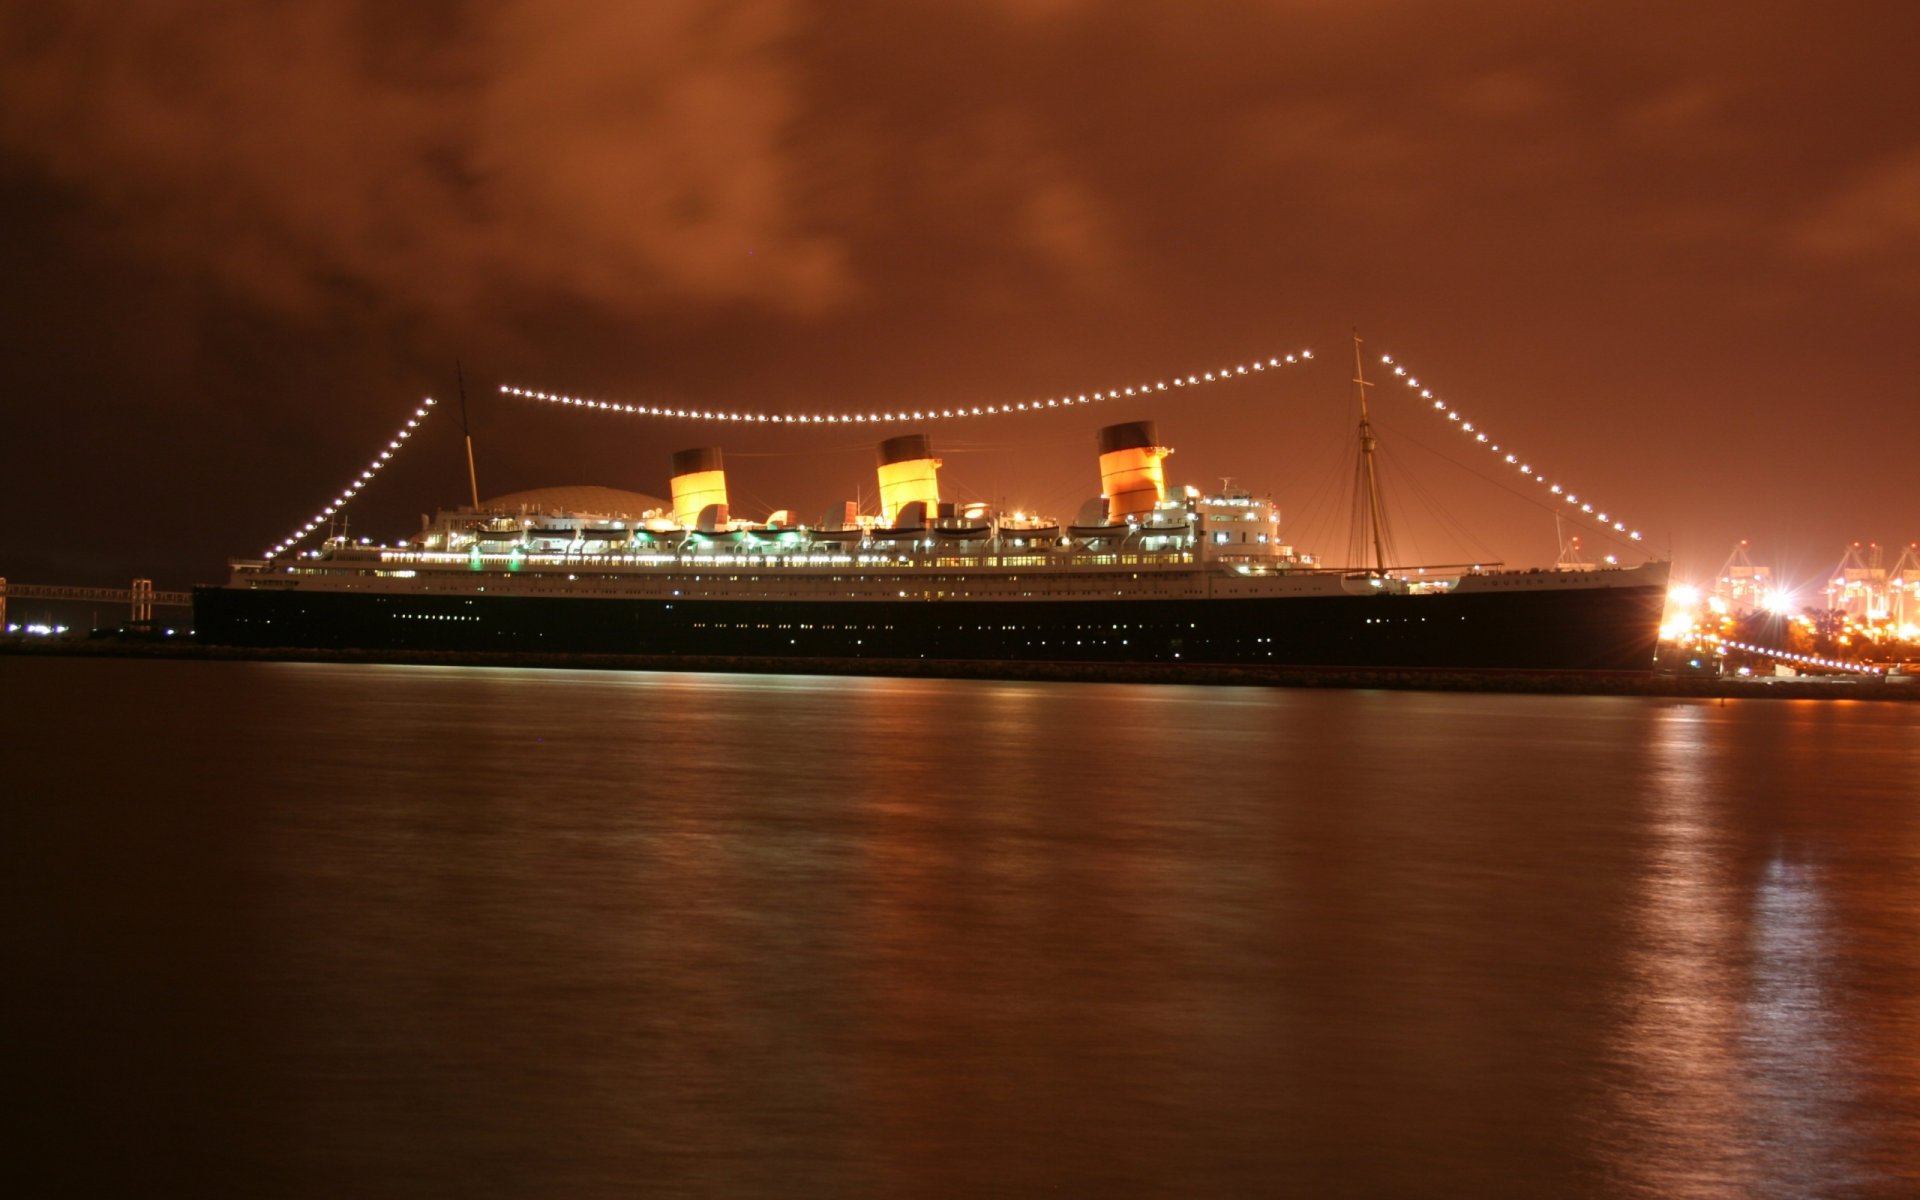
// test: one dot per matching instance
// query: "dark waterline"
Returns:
(320, 930)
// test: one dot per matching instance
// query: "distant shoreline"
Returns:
(1426, 680)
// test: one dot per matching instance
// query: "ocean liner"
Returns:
(1148, 574)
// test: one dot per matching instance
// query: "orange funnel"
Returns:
(1130, 475)
(699, 489)
(909, 473)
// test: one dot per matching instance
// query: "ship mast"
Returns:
(473, 480)
(1369, 515)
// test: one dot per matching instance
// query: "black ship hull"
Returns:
(1565, 629)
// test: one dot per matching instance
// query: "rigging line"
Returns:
(816, 452)
(819, 453)
(939, 449)
(924, 415)
(1406, 547)
(1408, 482)
(353, 489)
(968, 494)
(1481, 437)
(1061, 502)
(1318, 511)
(1327, 505)
(1316, 520)
(1577, 515)
(1075, 437)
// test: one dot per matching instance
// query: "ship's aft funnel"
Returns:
(1130, 475)
(909, 473)
(699, 489)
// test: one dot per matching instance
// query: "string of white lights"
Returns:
(1479, 435)
(1808, 659)
(362, 480)
(922, 415)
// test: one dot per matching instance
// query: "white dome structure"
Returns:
(580, 498)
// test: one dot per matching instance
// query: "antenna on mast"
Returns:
(473, 480)
(1570, 557)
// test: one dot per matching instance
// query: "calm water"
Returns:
(321, 931)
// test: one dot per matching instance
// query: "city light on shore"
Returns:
(1865, 620)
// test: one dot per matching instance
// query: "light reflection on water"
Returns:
(1742, 1075)
(326, 930)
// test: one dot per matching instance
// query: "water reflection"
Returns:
(535, 933)
(1736, 1076)
(1803, 1078)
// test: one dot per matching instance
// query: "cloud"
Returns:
(1874, 217)
(1690, 117)
(1006, 171)
(1512, 93)
(631, 156)
(1068, 227)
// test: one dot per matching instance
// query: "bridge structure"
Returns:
(141, 598)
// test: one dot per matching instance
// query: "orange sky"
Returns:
(1673, 256)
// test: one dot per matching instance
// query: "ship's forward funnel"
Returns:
(909, 473)
(1130, 475)
(699, 489)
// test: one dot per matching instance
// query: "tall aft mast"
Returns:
(1369, 518)
(473, 480)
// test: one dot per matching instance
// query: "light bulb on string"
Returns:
(1223, 375)
(1512, 459)
(354, 489)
